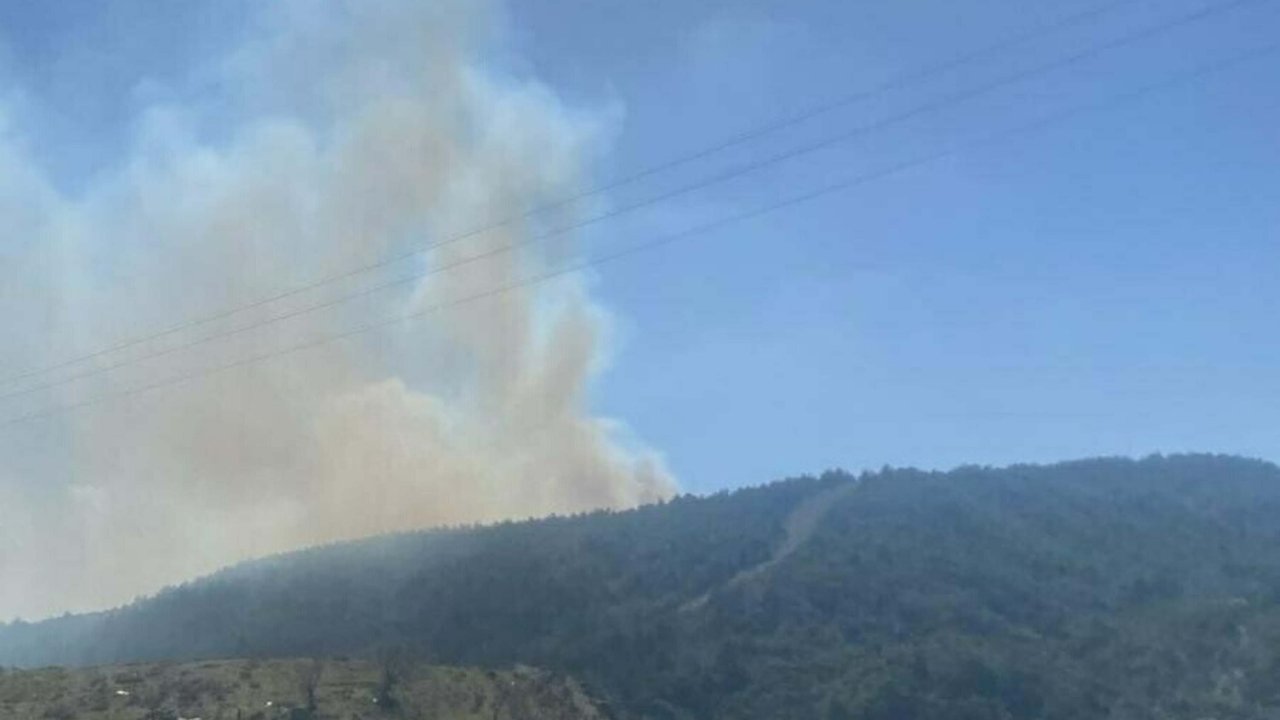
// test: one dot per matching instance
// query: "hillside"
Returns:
(296, 690)
(1091, 589)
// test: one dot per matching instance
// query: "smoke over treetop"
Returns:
(355, 130)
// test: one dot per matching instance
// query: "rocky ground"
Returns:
(291, 689)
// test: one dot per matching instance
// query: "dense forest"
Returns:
(1092, 589)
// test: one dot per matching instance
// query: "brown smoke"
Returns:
(358, 130)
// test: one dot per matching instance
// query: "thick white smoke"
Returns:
(353, 130)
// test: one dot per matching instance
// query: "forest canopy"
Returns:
(1098, 588)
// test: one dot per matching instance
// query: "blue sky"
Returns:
(1105, 286)
(1100, 287)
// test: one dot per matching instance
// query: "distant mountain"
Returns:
(1092, 589)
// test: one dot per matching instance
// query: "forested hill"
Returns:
(1091, 589)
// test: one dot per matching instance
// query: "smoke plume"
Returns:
(343, 132)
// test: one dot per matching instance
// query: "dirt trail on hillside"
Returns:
(800, 526)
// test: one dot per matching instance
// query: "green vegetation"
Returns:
(289, 690)
(1093, 589)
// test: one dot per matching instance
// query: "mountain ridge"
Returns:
(978, 592)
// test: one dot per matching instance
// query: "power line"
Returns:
(739, 171)
(849, 183)
(731, 142)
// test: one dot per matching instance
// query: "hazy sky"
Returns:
(1104, 286)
